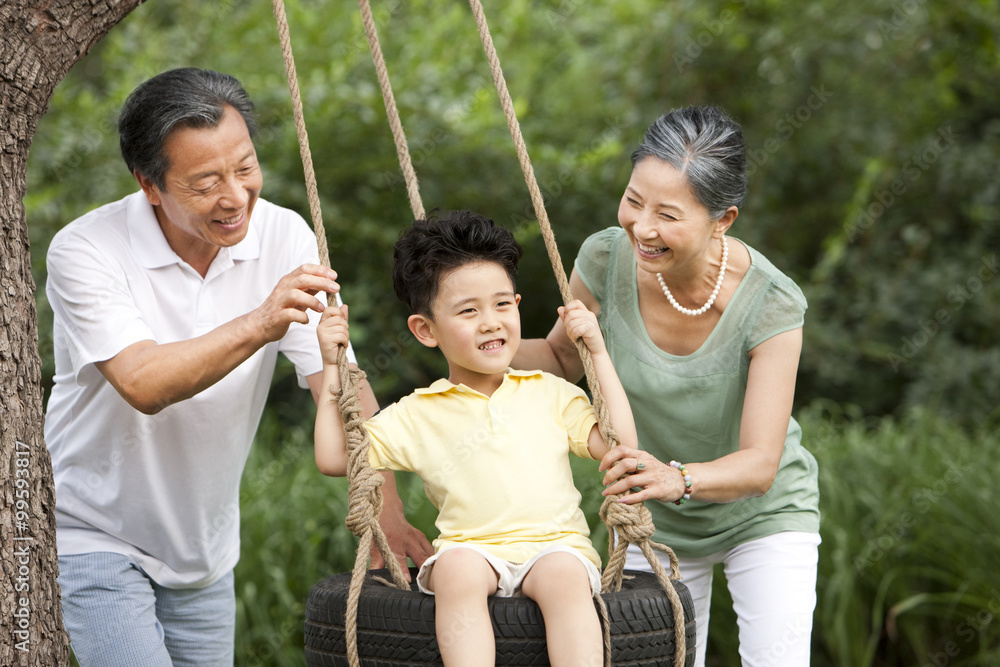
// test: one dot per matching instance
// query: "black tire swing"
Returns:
(647, 617)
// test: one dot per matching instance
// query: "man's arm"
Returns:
(152, 376)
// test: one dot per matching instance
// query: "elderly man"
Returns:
(171, 307)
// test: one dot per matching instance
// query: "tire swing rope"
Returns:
(627, 523)
(364, 493)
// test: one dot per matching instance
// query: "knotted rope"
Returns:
(365, 492)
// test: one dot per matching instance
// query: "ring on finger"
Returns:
(639, 465)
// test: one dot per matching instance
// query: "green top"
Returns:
(689, 407)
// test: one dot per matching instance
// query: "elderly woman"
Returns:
(705, 334)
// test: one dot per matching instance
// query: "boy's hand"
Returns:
(581, 323)
(333, 333)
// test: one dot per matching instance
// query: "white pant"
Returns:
(773, 584)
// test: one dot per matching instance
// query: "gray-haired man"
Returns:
(170, 308)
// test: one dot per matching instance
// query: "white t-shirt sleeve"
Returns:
(92, 305)
(300, 344)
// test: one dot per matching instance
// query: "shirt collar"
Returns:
(145, 236)
(444, 385)
(150, 245)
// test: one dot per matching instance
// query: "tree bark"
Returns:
(40, 41)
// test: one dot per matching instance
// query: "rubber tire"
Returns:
(397, 627)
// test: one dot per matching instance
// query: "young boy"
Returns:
(489, 443)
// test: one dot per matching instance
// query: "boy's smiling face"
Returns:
(476, 324)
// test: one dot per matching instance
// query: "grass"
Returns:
(907, 574)
(292, 534)
(910, 529)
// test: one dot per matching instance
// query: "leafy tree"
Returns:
(871, 130)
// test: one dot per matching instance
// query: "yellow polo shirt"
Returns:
(496, 467)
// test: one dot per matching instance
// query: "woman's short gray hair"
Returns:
(706, 145)
(184, 97)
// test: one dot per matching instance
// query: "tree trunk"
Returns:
(40, 40)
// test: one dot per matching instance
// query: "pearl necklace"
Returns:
(715, 292)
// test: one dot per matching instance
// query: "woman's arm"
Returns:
(747, 472)
(556, 353)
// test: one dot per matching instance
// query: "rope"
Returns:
(312, 193)
(631, 524)
(364, 505)
(365, 493)
(402, 148)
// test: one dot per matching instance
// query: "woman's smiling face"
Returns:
(667, 225)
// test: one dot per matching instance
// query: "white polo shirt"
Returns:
(162, 489)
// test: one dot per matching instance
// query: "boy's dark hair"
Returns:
(444, 242)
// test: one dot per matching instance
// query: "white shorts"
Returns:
(511, 575)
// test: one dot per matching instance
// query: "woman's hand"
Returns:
(627, 468)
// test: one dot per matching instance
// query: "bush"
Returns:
(910, 529)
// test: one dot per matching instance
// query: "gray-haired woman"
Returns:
(705, 334)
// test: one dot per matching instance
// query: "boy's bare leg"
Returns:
(559, 583)
(462, 580)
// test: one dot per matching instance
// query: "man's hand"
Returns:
(292, 298)
(152, 376)
(404, 539)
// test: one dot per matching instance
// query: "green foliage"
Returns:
(872, 131)
(909, 526)
(292, 534)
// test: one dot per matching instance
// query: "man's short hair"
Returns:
(183, 97)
